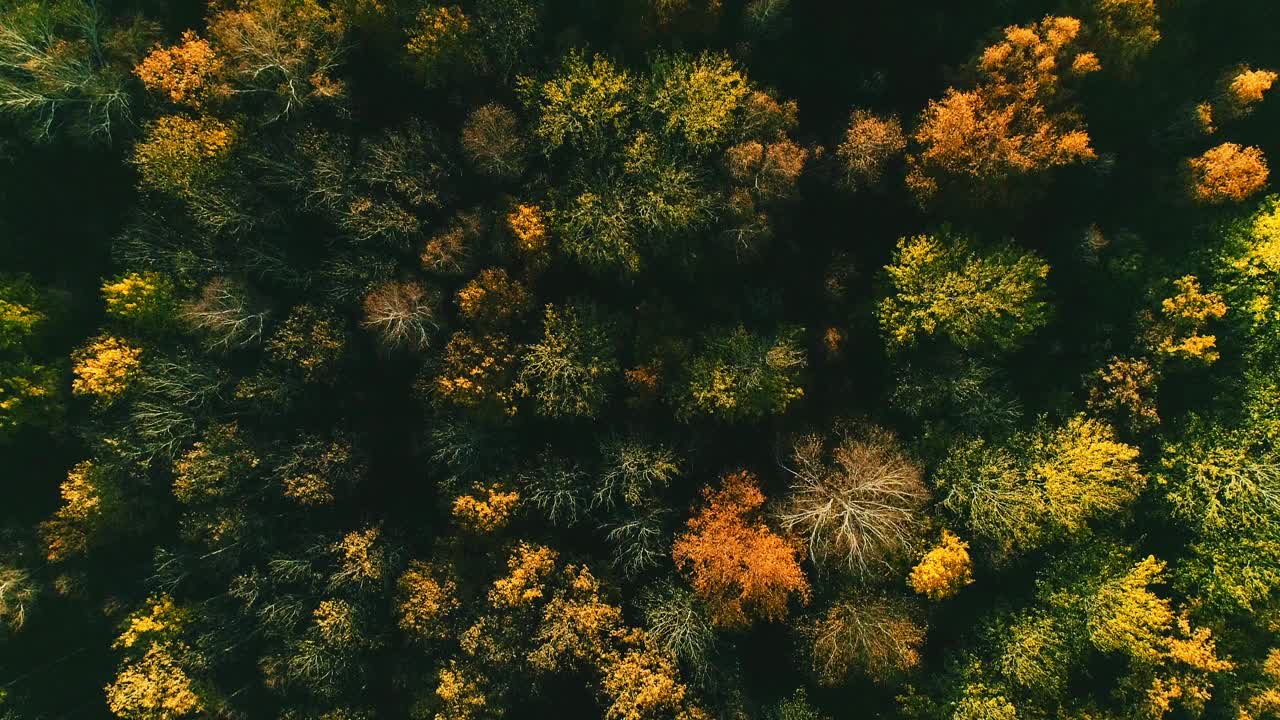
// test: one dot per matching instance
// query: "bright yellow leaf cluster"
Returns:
(158, 616)
(1185, 316)
(104, 368)
(699, 97)
(138, 296)
(944, 570)
(1086, 471)
(492, 297)
(478, 371)
(154, 687)
(488, 513)
(1248, 86)
(1227, 173)
(528, 224)
(425, 601)
(528, 568)
(361, 556)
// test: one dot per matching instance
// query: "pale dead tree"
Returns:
(402, 313)
(493, 142)
(876, 635)
(17, 594)
(225, 315)
(46, 78)
(676, 618)
(856, 499)
(640, 542)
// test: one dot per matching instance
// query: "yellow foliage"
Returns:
(492, 297)
(1227, 173)
(184, 73)
(438, 34)
(159, 616)
(1185, 315)
(361, 556)
(1127, 387)
(154, 687)
(944, 570)
(425, 601)
(478, 371)
(336, 622)
(583, 101)
(104, 368)
(137, 295)
(576, 624)
(1265, 701)
(699, 98)
(460, 694)
(488, 513)
(528, 224)
(642, 682)
(528, 568)
(1248, 86)
(179, 152)
(1086, 472)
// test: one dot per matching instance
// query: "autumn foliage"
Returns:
(742, 570)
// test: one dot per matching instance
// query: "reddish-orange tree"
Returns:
(739, 567)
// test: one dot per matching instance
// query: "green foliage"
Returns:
(573, 368)
(740, 375)
(583, 105)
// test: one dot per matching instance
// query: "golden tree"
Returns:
(1227, 173)
(179, 153)
(486, 509)
(492, 298)
(944, 570)
(1179, 332)
(154, 687)
(105, 368)
(1126, 388)
(426, 599)
(739, 567)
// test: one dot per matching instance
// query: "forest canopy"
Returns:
(639, 360)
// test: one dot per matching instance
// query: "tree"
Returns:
(478, 373)
(1014, 123)
(18, 595)
(739, 568)
(227, 314)
(155, 687)
(440, 40)
(493, 141)
(1226, 173)
(740, 375)
(867, 146)
(105, 368)
(426, 598)
(487, 510)
(1086, 472)
(492, 298)
(147, 299)
(1126, 29)
(1125, 389)
(698, 97)
(583, 106)
(279, 54)
(184, 74)
(402, 313)
(941, 286)
(312, 340)
(944, 570)
(875, 635)
(572, 369)
(63, 67)
(180, 155)
(855, 498)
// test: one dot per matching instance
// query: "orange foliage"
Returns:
(1227, 173)
(1004, 127)
(738, 566)
(184, 73)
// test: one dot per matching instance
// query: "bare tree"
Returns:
(225, 314)
(17, 594)
(857, 499)
(877, 635)
(402, 313)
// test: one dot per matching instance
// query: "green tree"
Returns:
(573, 368)
(942, 286)
(740, 375)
